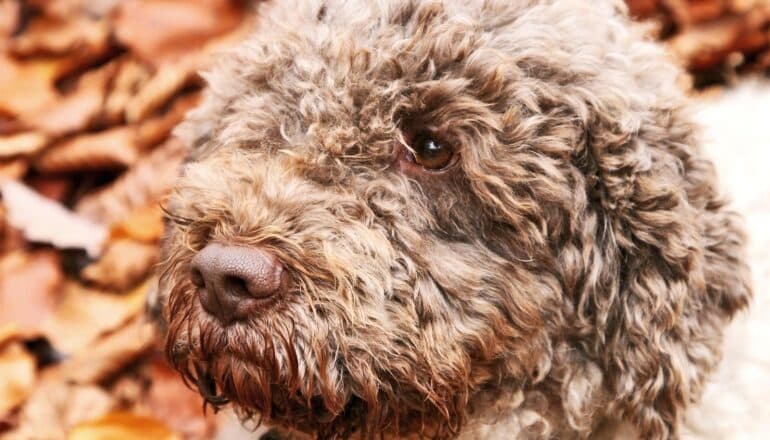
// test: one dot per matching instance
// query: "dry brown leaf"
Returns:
(48, 36)
(708, 40)
(74, 8)
(11, 239)
(144, 224)
(131, 76)
(46, 221)
(10, 14)
(8, 122)
(13, 169)
(110, 149)
(51, 187)
(686, 13)
(176, 404)
(122, 426)
(156, 130)
(165, 83)
(85, 314)
(709, 44)
(57, 8)
(739, 6)
(29, 289)
(79, 109)
(169, 79)
(123, 264)
(22, 144)
(26, 87)
(161, 31)
(642, 8)
(110, 354)
(18, 373)
(55, 406)
(8, 331)
(148, 180)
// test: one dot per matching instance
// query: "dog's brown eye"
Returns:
(430, 153)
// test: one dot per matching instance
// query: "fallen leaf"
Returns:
(124, 264)
(80, 108)
(110, 354)
(47, 36)
(57, 8)
(11, 239)
(8, 331)
(131, 76)
(74, 8)
(166, 82)
(148, 180)
(29, 289)
(43, 220)
(161, 31)
(27, 86)
(156, 130)
(51, 187)
(8, 123)
(176, 404)
(131, 387)
(84, 314)
(55, 406)
(144, 224)
(13, 169)
(170, 78)
(10, 13)
(122, 426)
(17, 376)
(642, 8)
(109, 149)
(22, 144)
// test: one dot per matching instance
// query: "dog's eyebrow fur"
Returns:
(576, 268)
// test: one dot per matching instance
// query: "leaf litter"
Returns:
(90, 91)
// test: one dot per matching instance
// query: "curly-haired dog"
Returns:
(448, 218)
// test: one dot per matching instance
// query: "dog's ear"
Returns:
(667, 269)
(652, 261)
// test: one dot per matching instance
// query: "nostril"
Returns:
(236, 285)
(197, 277)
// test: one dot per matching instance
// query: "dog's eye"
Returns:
(429, 152)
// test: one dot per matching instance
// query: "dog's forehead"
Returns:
(356, 69)
(343, 63)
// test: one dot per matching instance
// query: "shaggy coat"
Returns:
(572, 265)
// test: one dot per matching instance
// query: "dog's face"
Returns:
(416, 180)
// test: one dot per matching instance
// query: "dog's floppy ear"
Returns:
(653, 262)
(671, 258)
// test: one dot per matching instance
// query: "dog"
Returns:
(448, 219)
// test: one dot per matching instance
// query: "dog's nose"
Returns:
(234, 281)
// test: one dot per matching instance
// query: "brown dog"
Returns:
(485, 219)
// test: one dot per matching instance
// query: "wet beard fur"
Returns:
(277, 377)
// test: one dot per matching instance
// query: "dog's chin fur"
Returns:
(575, 265)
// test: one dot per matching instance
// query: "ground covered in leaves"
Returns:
(89, 93)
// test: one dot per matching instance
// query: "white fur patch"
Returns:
(736, 403)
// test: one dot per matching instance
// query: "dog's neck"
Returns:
(508, 415)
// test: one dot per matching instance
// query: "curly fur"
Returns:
(574, 270)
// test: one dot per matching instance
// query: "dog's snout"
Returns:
(233, 281)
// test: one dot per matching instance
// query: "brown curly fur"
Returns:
(577, 266)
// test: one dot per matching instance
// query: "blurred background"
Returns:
(89, 92)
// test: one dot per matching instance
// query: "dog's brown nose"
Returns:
(233, 281)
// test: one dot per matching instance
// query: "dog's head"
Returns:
(393, 207)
